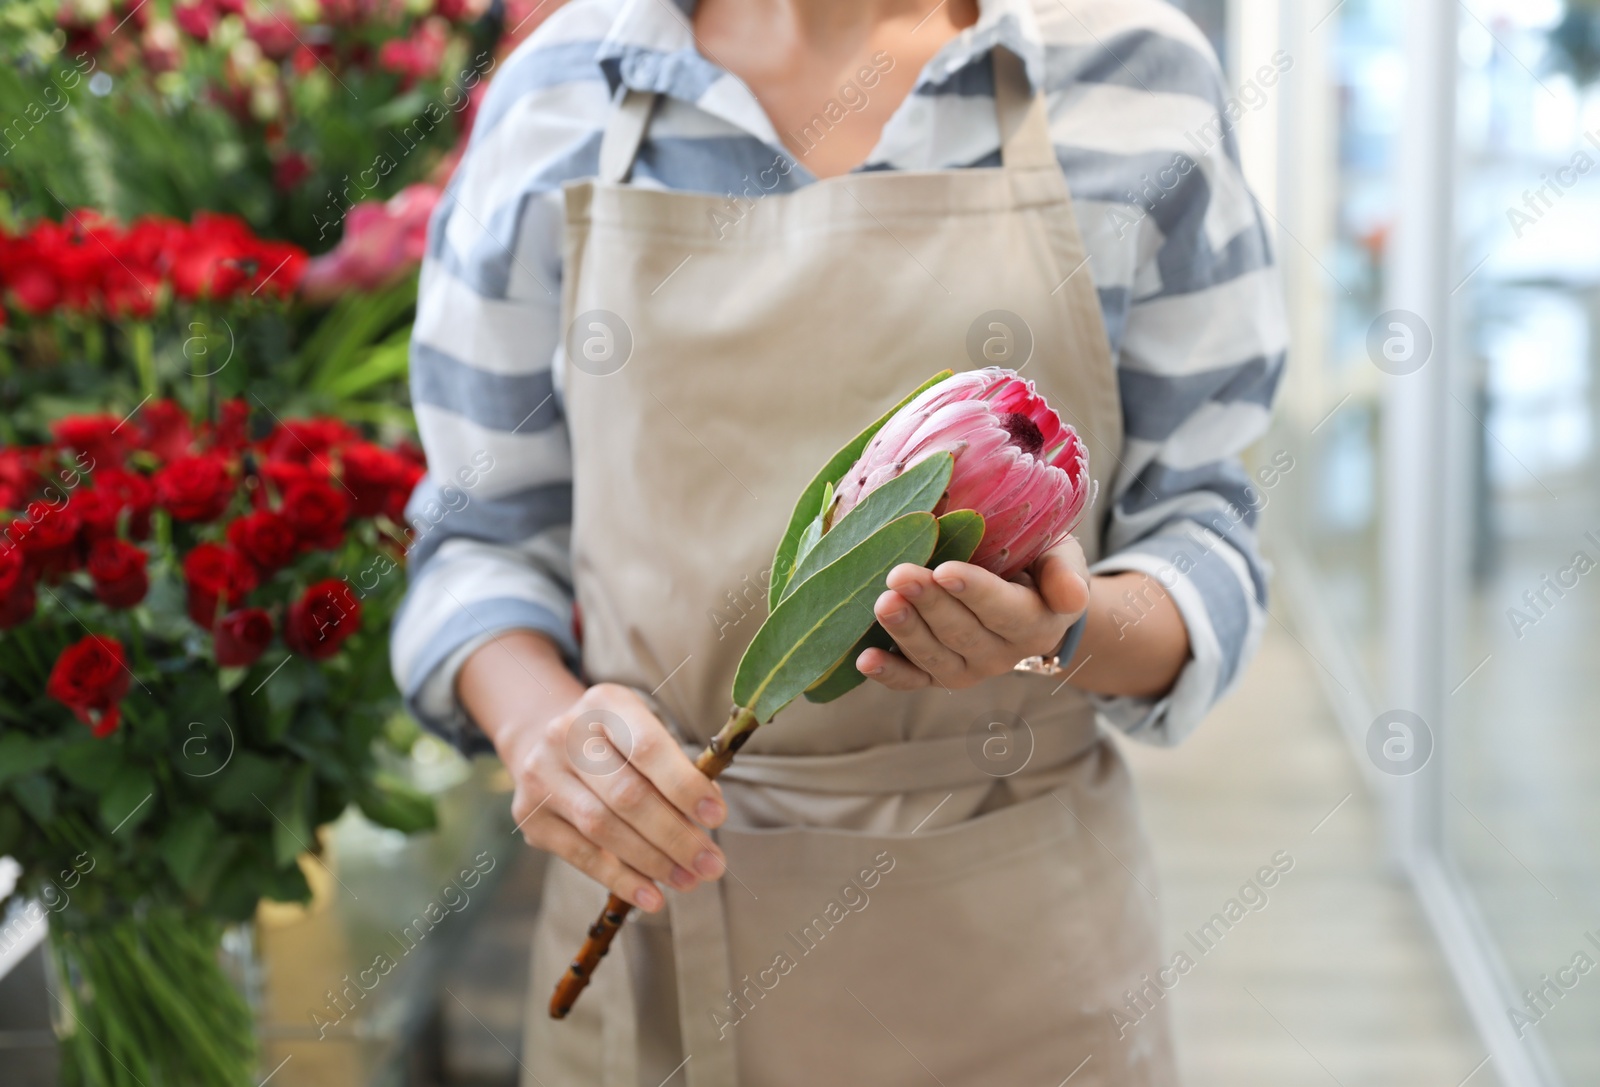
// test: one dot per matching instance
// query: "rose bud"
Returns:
(89, 678)
(242, 636)
(317, 513)
(219, 578)
(130, 491)
(118, 570)
(1016, 463)
(195, 488)
(264, 538)
(321, 620)
(48, 537)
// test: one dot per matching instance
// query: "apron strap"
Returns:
(1023, 115)
(619, 146)
(704, 972)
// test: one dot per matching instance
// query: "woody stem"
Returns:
(711, 762)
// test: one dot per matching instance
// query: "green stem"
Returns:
(142, 342)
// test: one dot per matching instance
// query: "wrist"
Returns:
(514, 683)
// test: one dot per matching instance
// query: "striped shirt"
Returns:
(1178, 251)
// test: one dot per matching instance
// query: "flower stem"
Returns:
(711, 762)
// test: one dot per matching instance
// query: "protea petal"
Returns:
(1016, 462)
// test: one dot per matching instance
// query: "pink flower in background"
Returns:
(275, 33)
(419, 56)
(196, 20)
(381, 243)
(1016, 463)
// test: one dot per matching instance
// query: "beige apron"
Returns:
(945, 884)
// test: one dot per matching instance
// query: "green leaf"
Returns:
(22, 754)
(292, 831)
(185, 846)
(916, 490)
(90, 764)
(389, 802)
(810, 503)
(37, 795)
(229, 678)
(809, 631)
(11, 829)
(248, 775)
(813, 532)
(960, 533)
(845, 677)
(128, 800)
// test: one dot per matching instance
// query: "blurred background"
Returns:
(1418, 734)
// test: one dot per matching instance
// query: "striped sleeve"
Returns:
(491, 520)
(1195, 310)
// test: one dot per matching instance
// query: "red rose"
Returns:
(16, 589)
(195, 488)
(242, 636)
(264, 538)
(130, 491)
(219, 578)
(90, 678)
(321, 620)
(280, 475)
(411, 475)
(100, 436)
(19, 476)
(371, 473)
(118, 570)
(317, 513)
(48, 536)
(232, 429)
(308, 441)
(97, 514)
(164, 429)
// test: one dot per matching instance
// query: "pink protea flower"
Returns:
(1016, 463)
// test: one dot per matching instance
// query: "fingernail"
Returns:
(895, 617)
(708, 865)
(878, 671)
(709, 812)
(648, 899)
(954, 584)
(682, 878)
(911, 591)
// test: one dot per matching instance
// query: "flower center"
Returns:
(1024, 432)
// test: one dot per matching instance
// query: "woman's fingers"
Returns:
(916, 640)
(893, 672)
(954, 624)
(1062, 577)
(1014, 613)
(640, 814)
(556, 835)
(597, 821)
(605, 786)
(656, 754)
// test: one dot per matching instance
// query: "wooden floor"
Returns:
(1335, 980)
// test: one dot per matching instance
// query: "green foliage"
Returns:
(810, 631)
(960, 532)
(810, 505)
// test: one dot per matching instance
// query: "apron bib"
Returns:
(956, 880)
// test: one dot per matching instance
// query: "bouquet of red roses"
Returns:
(193, 678)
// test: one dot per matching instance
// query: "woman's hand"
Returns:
(600, 781)
(959, 625)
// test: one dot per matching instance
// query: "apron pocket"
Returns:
(993, 951)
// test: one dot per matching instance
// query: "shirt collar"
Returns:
(650, 47)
